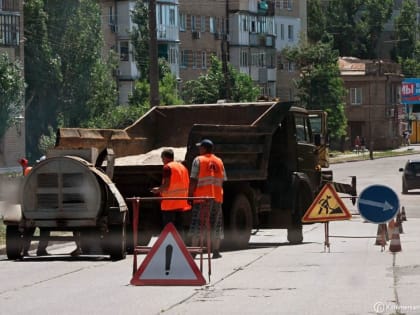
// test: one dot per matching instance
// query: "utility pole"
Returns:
(225, 53)
(153, 56)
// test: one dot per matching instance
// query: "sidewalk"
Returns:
(339, 157)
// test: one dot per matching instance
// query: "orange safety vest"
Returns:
(210, 177)
(178, 187)
(27, 170)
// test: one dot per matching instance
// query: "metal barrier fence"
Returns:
(205, 227)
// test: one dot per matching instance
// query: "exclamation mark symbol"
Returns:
(168, 259)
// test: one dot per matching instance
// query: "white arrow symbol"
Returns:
(385, 206)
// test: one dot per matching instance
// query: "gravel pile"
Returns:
(151, 157)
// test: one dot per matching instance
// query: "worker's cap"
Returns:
(207, 143)
(42, 158)
(23, 161)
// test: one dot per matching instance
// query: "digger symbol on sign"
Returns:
(324, 202)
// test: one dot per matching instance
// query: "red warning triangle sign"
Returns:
(168, 263)
(327, 206)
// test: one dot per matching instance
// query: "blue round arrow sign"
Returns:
(378, 204)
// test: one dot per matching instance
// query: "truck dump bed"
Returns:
(170, 126)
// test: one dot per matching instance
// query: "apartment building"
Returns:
(117, 26)
(249, 34)
(12, 145)
(292, 27)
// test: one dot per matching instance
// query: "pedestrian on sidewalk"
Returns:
(357, 144)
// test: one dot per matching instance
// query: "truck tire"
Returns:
(116, 240)
(240, 223)
(14, 242)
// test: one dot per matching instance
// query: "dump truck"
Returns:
(275, 156)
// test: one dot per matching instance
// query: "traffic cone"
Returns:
(380, 235)
(391, 226)
(399, 222)
(403, 216)
(385, 228)
(395, 245)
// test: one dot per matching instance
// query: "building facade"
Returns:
(373, 102)
(117, 26)
(12, 145)
(248, 34)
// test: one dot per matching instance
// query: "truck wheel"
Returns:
(240, 223)
(116, 240)
(14, 242)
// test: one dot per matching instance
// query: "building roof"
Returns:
(352, 66)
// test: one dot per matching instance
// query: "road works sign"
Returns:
(378, 204)
(327, 206)
(168, 263)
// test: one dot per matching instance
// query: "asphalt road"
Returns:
(270, 277)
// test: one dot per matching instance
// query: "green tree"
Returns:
(316, 21)
(11, 92)
(356, 25)
(63, 65)
(210, 87)
(42, 75)
(406, 28)
(320, 85)
(140, 37)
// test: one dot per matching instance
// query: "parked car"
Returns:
(411, 175)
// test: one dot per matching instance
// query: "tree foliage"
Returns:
(356, 25)
(210, 87)
(140, 37)
(406, 49)
(11, 92)
(316, 21)
(320, 85)
(64, 67)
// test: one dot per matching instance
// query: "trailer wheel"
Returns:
(14, 242)
(116, 240)
(240, 223)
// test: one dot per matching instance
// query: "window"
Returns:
(194, 60)
(184, 58)
(182, 22)
(193, 21)
(302, 130)
(203, 24)
(124, 51)
(290, 35)
(212, 24)
(282, 31)
(244, 59)
(110, 16)
(9, 30)
(171, 16)
(284, 4)
(355, 96)
(244, 23)
(173, 56)
(203, 60)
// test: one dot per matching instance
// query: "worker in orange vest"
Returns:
(206, 180)
(25, 167)
(43, 234)
(175, 183)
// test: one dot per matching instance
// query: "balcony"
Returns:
(261, 40)
(9, 5)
